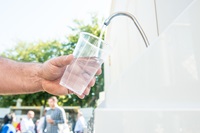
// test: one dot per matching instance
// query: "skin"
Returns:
(30, 114)
(26, 78)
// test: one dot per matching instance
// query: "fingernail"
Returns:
(83, 96)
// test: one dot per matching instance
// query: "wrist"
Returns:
(38, 76)
(32, 81)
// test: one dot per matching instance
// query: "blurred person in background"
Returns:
(8, 127)
(81, 124)
(36, 126)
(42, 123)
(27, 125)
(54, 116)
(18, 129)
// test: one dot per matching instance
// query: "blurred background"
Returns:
(35, 31)
(35, 20)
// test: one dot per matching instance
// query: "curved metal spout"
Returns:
(107, 22)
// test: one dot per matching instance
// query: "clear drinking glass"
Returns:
(89, 54)
(48, 117)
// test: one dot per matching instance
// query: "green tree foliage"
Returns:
(42, 51)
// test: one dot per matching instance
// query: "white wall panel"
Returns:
(168, 10)
(147, 121)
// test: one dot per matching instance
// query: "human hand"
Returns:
(49, 120)
(51, 73)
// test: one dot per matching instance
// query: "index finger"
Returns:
(99, 71)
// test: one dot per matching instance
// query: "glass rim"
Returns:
(104, 42)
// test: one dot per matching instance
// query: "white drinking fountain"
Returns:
(157, 91)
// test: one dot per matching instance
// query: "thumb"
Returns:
(62, 61)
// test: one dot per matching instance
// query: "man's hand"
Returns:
(51, 73)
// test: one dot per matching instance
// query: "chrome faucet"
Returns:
(107, 22)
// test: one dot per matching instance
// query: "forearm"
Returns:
(19, 78)
(59, 121)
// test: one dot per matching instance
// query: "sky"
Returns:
(34, 20)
